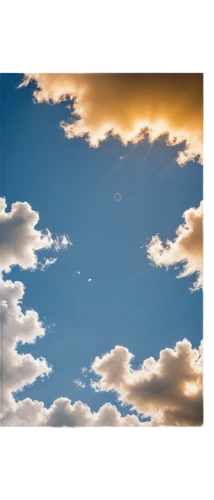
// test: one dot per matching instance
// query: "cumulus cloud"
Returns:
(128, 106)
(20, 240)
(186, 248)
(17, 370)
(168, 390)
(63, 413)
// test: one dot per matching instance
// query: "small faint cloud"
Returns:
(62, 242)
(77, 272)
(46, 263)
(124, 403)
(90, 279)
(79, 384)
(121, 157)
(84, 371)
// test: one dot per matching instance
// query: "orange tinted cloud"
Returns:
(169, 390)
(127, 105)
(186, 248)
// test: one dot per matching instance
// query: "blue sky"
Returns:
(128, 302)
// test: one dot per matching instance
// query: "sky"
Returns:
(131, 301)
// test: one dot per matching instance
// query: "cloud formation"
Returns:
(168, 390)
(186, 248)
(20, 240)
(62, 413)
(17, 370)
(128, 105)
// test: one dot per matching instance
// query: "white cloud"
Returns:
(186, 248)
(64, 413)
(20, 240)
(127, 105)
(46, 263)
(79, 384)
(17, 370)
(168, 390)
(84, 371)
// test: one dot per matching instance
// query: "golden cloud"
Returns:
(128, 106)
(169, 390)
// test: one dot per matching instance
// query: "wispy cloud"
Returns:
(84, 371)
(79, 384)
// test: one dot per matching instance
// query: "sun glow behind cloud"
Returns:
(128, 106)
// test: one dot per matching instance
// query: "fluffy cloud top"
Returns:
(168, 390)
(65, 414)
(127, 105)
(17, 370)
(187, 247)
(20, 240)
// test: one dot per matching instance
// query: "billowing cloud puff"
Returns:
(128, 105)
(168, 390)
(65, 414)
(79, 384)
(17, 370)
(187, 247)
(20, 240)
